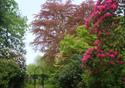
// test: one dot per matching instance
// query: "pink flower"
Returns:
(102, 55)
(98, 55)
(89, 50)
(85, 58)
(102, 7)
(113, 6)
(110, 51)
(96, 42)
(86, 23)
(99, 33)
(107, 54)
(115, 52)
(108, 1)
(98, 2)
(119, 62)
(112, 56)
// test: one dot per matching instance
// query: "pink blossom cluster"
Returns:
(87, 54)
(117, 61)
(110, 53)
(100, 55)
(103, 49)
(97, 41)
(102, 9)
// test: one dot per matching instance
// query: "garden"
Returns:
(81, 45)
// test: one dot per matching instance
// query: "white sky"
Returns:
(28, 8)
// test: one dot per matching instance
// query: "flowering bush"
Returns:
(105, 62)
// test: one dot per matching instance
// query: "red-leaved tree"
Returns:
(56, 19)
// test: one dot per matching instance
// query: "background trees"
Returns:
(62, 39)
(54, 21)
(12, 28)
(57, 36)
(66, 71)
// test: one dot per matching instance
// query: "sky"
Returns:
(28, 8)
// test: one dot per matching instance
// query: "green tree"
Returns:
(12, 29)
(76, 43)
(66, 72)
(37, 73)
(10, 70)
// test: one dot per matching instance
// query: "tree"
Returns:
(54, 21)
(69, 75)
(12, 28)
(10, 71)
(66, 71)
(37, 72)
(76, 43)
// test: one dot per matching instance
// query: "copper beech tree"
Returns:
(54, 21)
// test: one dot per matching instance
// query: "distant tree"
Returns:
(37, 73)
(54, 21)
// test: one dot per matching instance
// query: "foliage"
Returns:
(104, 63)
(12, 28)
(12, 62)
(55, 20)
(70, 75)
(10, 71)
(76, 43)
(40, 67)
(66, 72)
(37, 73)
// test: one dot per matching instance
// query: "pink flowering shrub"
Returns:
(87, 54)
(104, 62)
